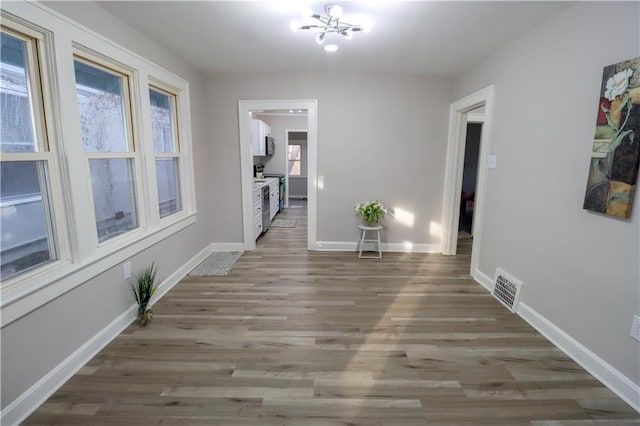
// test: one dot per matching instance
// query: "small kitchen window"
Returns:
(294, 157)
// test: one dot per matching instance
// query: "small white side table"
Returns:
(363, 239)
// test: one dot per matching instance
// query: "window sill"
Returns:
(52, 280)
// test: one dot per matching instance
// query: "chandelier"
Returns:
(328, 23)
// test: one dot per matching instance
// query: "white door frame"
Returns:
(454, 168)
(246, 163)
(286, 160)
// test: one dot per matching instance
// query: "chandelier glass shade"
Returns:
(330, 22)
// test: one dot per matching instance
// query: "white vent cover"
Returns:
(507, 289)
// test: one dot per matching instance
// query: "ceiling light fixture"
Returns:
(329, 23)
(331, 48)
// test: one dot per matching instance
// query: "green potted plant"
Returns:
(143, 288)
(371, 211)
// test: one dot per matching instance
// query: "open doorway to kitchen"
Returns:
(273, 161)
(470, 108)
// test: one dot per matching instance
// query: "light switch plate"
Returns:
(126, 268)
(492, 161)
(635, 328)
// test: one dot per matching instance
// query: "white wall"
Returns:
(36, 343)
(379, 136)
(580, 269)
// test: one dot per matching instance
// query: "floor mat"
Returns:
(217, 264)
(284, 223)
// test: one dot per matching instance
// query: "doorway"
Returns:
(296, 167)
(245, 111)
(469, 178)
(469, 108)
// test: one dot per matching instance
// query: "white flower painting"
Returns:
(615, 155)
(618, 84)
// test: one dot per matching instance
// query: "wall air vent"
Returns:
(507, 289)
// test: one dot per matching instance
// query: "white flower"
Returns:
(618, 84)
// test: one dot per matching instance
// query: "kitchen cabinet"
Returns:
(259, 132)
(274, 196)
(273, 186)
(257, 210)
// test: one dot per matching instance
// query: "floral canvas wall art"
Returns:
(616, 154)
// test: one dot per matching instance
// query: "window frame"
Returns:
(159, 86)
(91, 59)
(41, 94)
(80, 257)
(299, 160)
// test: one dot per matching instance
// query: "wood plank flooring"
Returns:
(292, 337)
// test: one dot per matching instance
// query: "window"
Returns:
(28, 237)
(105, 121)
(295, 160)
(89, 178)
(166, 149)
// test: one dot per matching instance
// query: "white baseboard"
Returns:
(386, 247)
(599, 368)
(483, 279)
(596, 366)
(181, 272)
(226, 247)
(19, 409)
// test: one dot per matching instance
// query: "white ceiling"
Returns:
(417, 37)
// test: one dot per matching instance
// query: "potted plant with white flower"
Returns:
(371, 211)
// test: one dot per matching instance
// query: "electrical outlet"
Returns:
(635, 328)
(127, 270)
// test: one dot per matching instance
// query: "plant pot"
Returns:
(145, 317)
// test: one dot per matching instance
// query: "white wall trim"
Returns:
(386, 247)
(19, 409)
(596, 366)
(226, 247)
(484, 280)
(599, 368)
(475, 117)
(454, 168)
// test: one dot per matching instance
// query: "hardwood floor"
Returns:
(292, 337)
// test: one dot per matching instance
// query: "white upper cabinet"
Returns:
(259, 131)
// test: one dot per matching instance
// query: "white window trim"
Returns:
(299, 160)
(158, 85)
(81, 258)
(44, 116)
(86, 56)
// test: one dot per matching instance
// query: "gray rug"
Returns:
(217, 264)
(284, 223)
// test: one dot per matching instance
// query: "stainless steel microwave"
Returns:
(271, 145)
